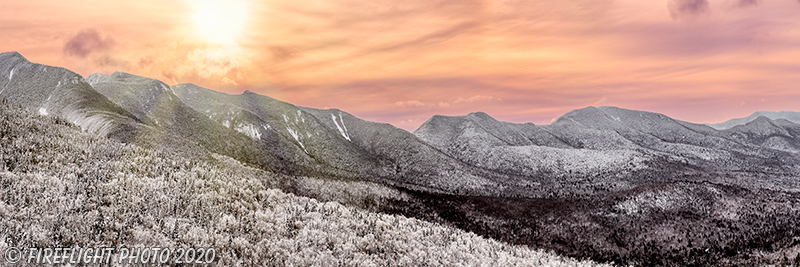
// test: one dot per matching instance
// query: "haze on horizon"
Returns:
(403, 61)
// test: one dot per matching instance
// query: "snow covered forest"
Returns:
(61, 187)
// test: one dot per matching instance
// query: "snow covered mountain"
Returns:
(60, 92)
(169, 120)
(586, 147)
(255, 129)
(606, 183)
(130, 196)
(774, 115)
(779, 134)
(333, 140)
(589, 150)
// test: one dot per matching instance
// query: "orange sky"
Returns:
(402, 61)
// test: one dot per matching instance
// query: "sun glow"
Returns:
(219, 21)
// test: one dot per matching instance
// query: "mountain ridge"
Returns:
(60, 92)
(792, 116)
(589, 185)
(473, 153)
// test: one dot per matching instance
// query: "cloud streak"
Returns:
(444, 104)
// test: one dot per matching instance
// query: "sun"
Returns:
(219, 21)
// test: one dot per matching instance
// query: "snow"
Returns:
(293, 133)
(167, 88)
(344, 126)
(333, 117)
(296, 136)
(249, 130)
(11, 74)
(662, 200)
(286, 119)
(227, 124)
(43, 111)
(266, 126)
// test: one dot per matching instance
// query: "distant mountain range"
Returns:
(791, 116)
(472, 154)
(612, 184)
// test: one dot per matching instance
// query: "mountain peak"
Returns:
(480, 115)
(188, 85)
(582, 115)
(96, 78)
(9, 60)
(760, 121)
(761, 118)
(124, 75)
(190, 89)
(773, 115)
(11, 54)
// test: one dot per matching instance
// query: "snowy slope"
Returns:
(334, 140)
(282, 129)
(156, 104)
(532, 151)
(59, 92)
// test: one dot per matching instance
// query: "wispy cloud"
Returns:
(411, 103)
(476, 98)
(444, 104)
